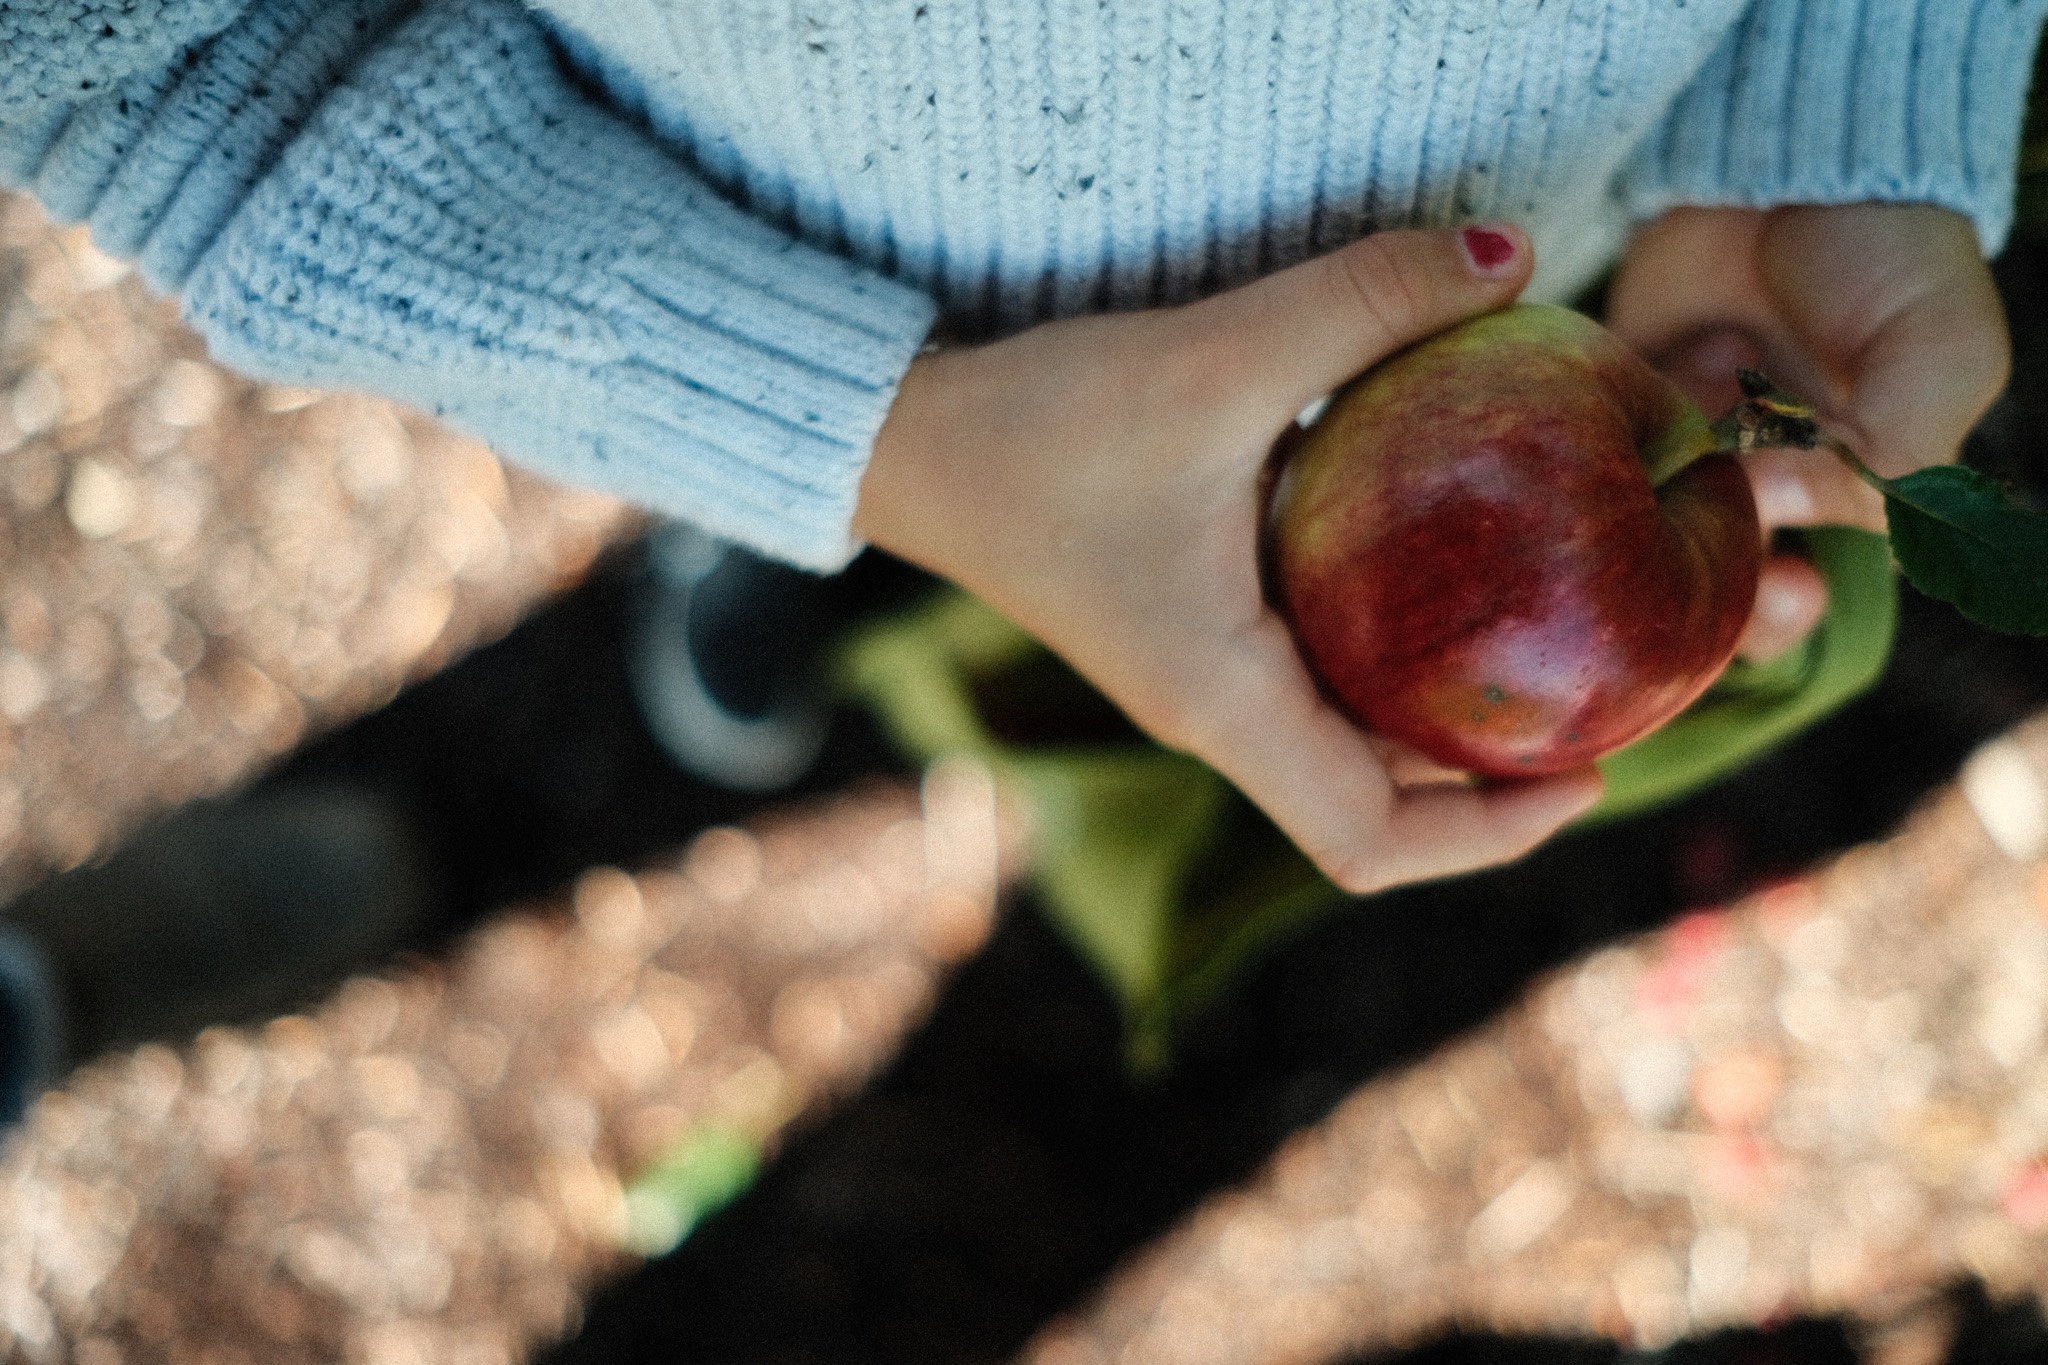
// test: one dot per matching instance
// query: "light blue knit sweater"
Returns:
(683, 250)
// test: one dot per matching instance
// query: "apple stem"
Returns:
(1769, 416)
(1841, 451)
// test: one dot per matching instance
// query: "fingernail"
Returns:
(1779, 603)
(1782, 498)
(1489, 250)
(1576, 797)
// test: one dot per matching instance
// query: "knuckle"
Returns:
(1994, 368)
(1520, 847)
(1184, 721)
(1198, 356)
(1355, 872)
(1386, 288)
(1358, 876)
(1202, 367)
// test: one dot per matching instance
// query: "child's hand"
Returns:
(1882, 314)
(1099, 480)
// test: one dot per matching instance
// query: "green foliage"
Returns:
(1957, 537)
(707, 1170)
(1165, 879)
(1158, 872)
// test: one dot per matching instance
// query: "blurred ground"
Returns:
(1004, 1162)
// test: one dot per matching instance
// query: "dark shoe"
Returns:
(227, 912)
(32, 1043)
(723, 655)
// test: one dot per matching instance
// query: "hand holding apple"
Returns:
(1099, 481)
(1468, 454)
(1884, 314)
(1511, 548)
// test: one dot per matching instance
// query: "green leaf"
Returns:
(1161, 875)
(1959, 538)
(1165, 879)
(1954, 533)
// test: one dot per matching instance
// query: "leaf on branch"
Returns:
(1956, 536)
(1954, 533)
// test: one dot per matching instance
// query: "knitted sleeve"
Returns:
(1837, 101)
(413, 200)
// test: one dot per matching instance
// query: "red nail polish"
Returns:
(1489, 249)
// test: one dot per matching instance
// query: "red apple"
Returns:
(1510, 547)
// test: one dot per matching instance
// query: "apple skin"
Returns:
(1474, 559)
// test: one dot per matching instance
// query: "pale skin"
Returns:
(1883, 314)
(1098, 480)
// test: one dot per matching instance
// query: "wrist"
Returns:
(902, 471)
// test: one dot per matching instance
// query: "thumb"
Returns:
(1926, 377)
(1896, 302)
(1300, 332)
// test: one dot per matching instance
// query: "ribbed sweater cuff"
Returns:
(460, 228)
(1837, 101)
